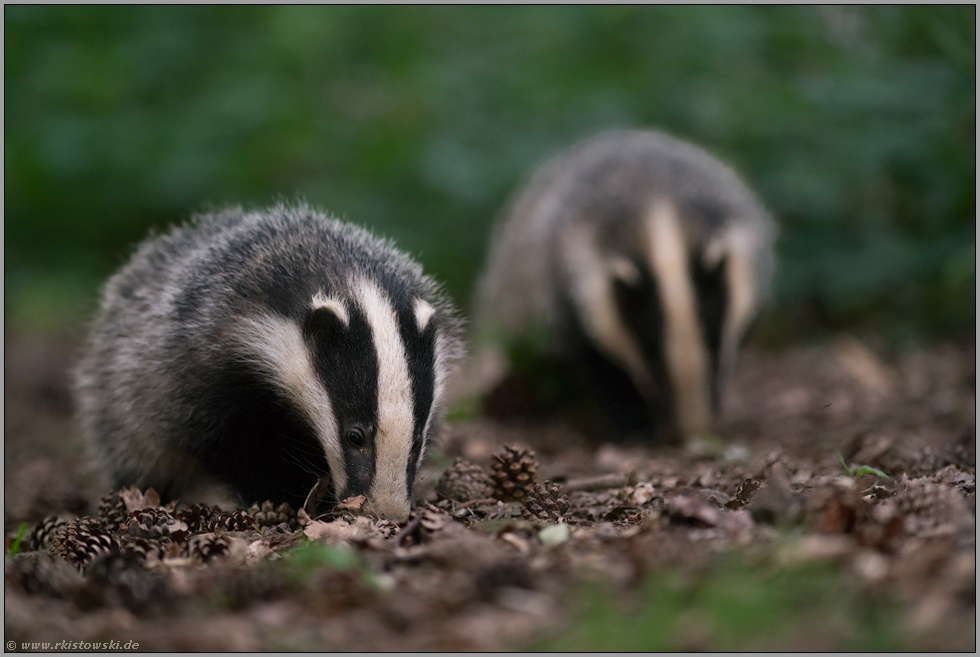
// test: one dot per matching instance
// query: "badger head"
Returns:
(365, 366)
(663, 306)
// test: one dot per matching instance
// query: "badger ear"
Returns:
(622, 269)
(423, 313)
(326, 313)
(714, 253)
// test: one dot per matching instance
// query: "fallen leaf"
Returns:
(743, 493)
(338, 530)
(776, 501)
(693, 510)
(864, 366)
(642, 494)
(137, 501)
(555, 534)
(515, 540)
(817, 547)
(352, 503)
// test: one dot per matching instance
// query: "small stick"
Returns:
(489, 500)
(614, 480)
(412, 525)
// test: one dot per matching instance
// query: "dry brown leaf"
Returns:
(352, 503)
(864, 366)
(136, 500)
(694, 510)
(339, 530)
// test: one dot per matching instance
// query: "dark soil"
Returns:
(471, 572)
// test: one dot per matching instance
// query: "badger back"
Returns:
(277, 349)
(654, 256)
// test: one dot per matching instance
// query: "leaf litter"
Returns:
(520, 519)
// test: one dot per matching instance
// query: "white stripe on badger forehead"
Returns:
(277, 346)
(590, 287)
(423, 313)
(336, 306)
(684, 349)
(388, 496)
(741, 292)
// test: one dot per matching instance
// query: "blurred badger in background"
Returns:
(644, 258)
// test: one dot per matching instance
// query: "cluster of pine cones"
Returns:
(151, 533)
(514, 478)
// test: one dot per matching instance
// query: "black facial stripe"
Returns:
(420, 354)
(641, 309)
(712, 292)
(605, 384)
(347, 364)
(266, 449)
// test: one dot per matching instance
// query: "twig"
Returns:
(489, 500)
(614, 480)
(412, 525)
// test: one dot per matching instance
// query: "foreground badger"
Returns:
(645, 259)
(269, 353)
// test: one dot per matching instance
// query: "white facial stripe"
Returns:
(741, 301)
(388, 496)
(591, 291)
(277, 346)
(423, 313)
(684, 347)
(335, 306)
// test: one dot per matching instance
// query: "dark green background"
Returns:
(856, 125)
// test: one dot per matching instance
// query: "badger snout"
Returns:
(395, 510)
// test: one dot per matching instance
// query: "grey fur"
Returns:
(168, 321)
(607, 184)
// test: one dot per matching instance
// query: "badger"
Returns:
(268, 354)
(643, 258)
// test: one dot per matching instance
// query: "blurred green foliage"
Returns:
(855, 124)
(735, 606)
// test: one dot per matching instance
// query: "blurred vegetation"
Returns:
(736, 606)
(856, 125)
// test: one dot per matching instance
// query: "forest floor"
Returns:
(835, 512)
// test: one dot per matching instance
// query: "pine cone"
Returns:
(546, 502)
(143, 549)
(515, 473)
(269, 515)
(197, 516)
(231, 522)
(123, 580)
(45, 531)
(44, 574)
(207, 546)
(465, 481)
(155, 523)
(83, 541)
(112, 511)
(423, 522)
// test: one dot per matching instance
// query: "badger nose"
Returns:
(393, 510)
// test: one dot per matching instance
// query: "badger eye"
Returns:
(356, 438)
